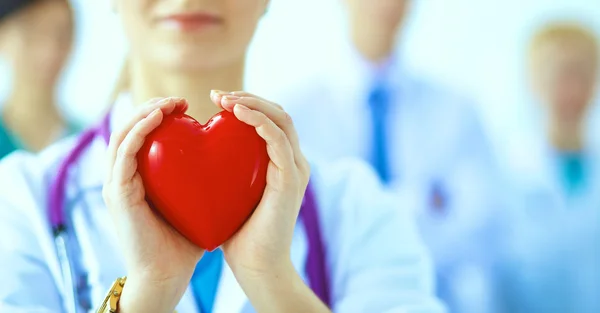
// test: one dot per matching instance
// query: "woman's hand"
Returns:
(263, 243)
(259, 253)
(160, 262)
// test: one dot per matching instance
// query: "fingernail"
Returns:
(242, 107)
(171, 100)
(231, 98)
(154, 113)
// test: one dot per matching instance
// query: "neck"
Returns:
(566, 136)
(375, 48)
(31, 114)
(30, 101)
(374, 42)
(149, 82)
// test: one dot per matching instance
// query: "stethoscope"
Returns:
(316, 267)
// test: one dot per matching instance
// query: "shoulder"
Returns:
(22, 196)
(348, 189)
(450, 107)
(371, 240)
(440, 95)
(25, 178)
(25, 167)
(26, 243)
(343, 176)
(24, 182)
(304, 94)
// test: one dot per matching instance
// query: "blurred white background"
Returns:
(477, 46)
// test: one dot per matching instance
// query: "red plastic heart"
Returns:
(205, 180)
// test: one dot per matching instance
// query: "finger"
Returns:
(275, 113)
(216, 96)
(166, 105)
(117, 136)
(227, 98)
(126, 161)
(278, 145)
(251, 95)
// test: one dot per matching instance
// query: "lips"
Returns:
(191, 21)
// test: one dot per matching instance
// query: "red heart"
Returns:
(205, 180)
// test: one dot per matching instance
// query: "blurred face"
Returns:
(382, 13)
(565, 77)
(41, 38)
(190, 34)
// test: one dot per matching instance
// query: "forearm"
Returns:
(280, 291)
(143, 295)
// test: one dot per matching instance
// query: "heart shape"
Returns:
(205, 180)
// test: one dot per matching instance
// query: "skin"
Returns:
(160, 262)
(36, 41)
(374, 26)
(564, 78)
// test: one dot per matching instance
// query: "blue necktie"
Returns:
(206, 279)
(379, 103)
(573, 172)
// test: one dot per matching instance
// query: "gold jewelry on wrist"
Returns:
(111, 301)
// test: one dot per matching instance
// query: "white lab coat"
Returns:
(377, 261)
(434, 139)
(551, 254)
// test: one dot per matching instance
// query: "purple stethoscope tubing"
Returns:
(316, 265)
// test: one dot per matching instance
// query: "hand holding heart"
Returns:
(150, 244)
(262, 245)
(158, 255)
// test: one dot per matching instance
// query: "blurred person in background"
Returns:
(563, 72)
(35, 39)
(553, 260)
(424, 140)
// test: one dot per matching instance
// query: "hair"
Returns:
(566, 33)
(10, 7)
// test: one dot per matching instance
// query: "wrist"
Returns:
(142, 293)
(269, 274)
(280, 290)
